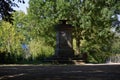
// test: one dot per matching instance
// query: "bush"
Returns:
(98, 56)
(39, 50)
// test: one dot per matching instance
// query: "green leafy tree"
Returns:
(40, 22)
(37, 48)
(21, 23)
(92, 23)
(10, 43)
(6, 9)
(91, 19)
(9, 38)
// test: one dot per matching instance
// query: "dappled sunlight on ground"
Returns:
(11, 76)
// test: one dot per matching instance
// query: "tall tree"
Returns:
(91, 19)
(21, 23)
(6, 9)
(10, 39)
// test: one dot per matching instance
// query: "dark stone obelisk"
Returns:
(64, 46)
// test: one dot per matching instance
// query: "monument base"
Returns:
(65, 60)
(64, 53)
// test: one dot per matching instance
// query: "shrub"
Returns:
(39, 50)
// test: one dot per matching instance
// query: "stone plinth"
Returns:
(64, 46)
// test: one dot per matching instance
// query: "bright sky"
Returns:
(22, 7)
(119, 17)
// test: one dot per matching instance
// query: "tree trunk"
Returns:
(77, 46)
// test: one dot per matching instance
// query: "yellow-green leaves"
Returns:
(9, 38)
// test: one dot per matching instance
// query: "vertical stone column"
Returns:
(64, 46)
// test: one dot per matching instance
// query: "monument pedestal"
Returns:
(64, 47)
(64, 52)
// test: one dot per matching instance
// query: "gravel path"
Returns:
(60, 72)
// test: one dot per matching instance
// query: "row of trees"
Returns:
(92, 21)
(18, 41)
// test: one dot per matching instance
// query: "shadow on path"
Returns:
(60, 72)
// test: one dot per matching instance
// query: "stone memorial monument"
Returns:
(64, 47)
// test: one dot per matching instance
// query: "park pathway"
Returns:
(60, 72)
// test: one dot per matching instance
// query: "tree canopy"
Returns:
(6, 9)
(92, 21)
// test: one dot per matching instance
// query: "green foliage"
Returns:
(9, 38)
(22, 25)
(91, 19)
(93, 27)
(10, 45)
(116, 46)
(39, 50)
(6, 9)
(22, 32)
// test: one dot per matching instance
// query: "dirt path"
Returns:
(60, 72)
